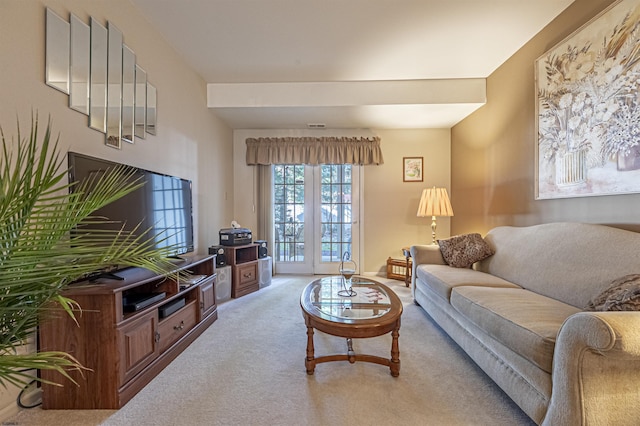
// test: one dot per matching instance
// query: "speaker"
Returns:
(221, 254)
(223, 284)
(262, 249)
(264, 271)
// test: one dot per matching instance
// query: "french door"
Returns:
(315, 211)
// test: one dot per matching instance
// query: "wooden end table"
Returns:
(374, 311)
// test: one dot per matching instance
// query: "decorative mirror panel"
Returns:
(91, 64)
(114, 87)
(80, 63)
(141, 103)
(151, 109)
(57, 52)
(128, 92)
(98, 93)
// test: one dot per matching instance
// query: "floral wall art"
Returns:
(588, 108)
(412, 169)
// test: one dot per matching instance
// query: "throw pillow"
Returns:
(622, 294)
(462, 251)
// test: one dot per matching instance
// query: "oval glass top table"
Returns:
(374, 310)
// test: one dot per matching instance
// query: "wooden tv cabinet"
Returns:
(244, 269)
(125, 349)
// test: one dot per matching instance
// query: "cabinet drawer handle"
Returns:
(247, 275)
(179, 327)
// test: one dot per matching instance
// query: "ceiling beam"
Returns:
(347, 93)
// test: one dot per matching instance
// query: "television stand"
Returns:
(130, 329)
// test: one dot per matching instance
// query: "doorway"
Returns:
(316, 211)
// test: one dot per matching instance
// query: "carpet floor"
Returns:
(248, 369)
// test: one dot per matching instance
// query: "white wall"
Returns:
(389, 204)
(191, 141)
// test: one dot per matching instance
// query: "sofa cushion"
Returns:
(570, 262)
(442, 279)
(622, 295)
(462, 251)
(524, 321)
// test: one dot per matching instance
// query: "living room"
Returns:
(491, 184)
(487, 160)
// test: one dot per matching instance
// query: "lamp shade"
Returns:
(434, 202)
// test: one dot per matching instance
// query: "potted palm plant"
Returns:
(40, 255)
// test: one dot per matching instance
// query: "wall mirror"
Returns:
(128, 92)
(152, 99)
(57, 52)
(98, 91)
(140, 102)
(90, 63)
(114, 87)
(79, 68)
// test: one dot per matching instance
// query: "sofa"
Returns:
(528, 314)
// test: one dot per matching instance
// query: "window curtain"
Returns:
(265, 211)
(314, 150)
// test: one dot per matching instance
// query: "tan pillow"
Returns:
(463, 251)
(622, 295)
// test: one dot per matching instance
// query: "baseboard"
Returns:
(9, 401)
(374, 274)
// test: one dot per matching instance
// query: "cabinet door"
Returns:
(207, 298)
(245, 279)
(138, 344)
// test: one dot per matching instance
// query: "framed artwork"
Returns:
(588, 108)
(412, 169)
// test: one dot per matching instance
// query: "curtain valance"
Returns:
(314, 150)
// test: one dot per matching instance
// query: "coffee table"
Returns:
(374, 311)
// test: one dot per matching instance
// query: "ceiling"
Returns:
(236, 45)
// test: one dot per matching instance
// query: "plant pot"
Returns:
(571, 168)
(630, 160)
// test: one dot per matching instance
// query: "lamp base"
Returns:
(433, 230)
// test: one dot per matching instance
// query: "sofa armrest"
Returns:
(421, 255)
(596, 370)
(427, 254)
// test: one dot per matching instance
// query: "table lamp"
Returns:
(434, 202)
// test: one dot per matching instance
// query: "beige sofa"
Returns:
(520, 315)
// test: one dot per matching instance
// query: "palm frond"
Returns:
(46, 242)
(14, 368)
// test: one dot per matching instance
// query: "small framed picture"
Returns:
(412, 169)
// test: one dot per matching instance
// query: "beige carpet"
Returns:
(248, 369)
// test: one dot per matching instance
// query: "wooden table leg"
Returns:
(407, 271)
(395, 351)
(310, 361)
(351, 355)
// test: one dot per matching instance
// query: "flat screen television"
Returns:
(163, 204)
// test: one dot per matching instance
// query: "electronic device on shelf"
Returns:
(171, 307)
(262, 249)
(135, 302)
(221, 254)
(192, 279)
(235, 236)
(189, 280)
